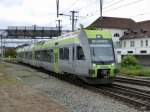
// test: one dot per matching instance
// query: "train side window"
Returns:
(80, 53)
(73, 50)
(37, 55)
(44, 55)
(51, 56)
(66, 53)
(61, 54)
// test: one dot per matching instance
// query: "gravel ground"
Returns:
(16, 96)
(72, 97)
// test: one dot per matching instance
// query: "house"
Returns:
(117, 26)
(137, 42)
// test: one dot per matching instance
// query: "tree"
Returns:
(10, 53)
(129, 61)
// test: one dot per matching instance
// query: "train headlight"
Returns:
(112, 64)
(94, 65)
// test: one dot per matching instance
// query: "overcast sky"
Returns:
(43, 12)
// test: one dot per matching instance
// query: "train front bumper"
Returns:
(103, 71)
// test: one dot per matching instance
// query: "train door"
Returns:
(56, 65)
(71, 60)
(80, 64)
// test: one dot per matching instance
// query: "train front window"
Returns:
(102, 53)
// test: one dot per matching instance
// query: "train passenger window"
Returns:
(37, 55)
(51, 55)
(61, 54)
(80, 53)
(29, 55)
(73, 50)
(44, 55)
(64, 53)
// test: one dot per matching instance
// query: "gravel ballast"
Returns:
(76, 99)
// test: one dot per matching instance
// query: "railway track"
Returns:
(138, 98)
(133, 81)
(134, 97)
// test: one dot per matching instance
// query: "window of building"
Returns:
(80, 53)
(146, 42)
(132, 43)
(118, 52)
(124, 43)
(143, 51)
(118, 44)
(130, 52)
(141, 43)
(116, 35)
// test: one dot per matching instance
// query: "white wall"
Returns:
(137, 48)
(114, 31)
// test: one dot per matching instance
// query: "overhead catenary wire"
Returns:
(124, 5)
(115, 3)
(73, 4)
(121, 6)
(112, 5)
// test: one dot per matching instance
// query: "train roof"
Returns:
(72, 37)
(93, 33)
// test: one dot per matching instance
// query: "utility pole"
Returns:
(57, 4)
(59, 21)
(1, 47)
(73, 19)
(59, 25)
(101, 8)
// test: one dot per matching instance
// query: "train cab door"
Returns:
(56, 65)
(79, 63)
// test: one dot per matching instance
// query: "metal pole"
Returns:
(1, 47)
(57, 4)
(73, 19)
(101, 8)
(4, 48)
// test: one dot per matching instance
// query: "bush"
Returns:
(129, 62)
(135, 72)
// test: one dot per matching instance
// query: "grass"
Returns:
(5, 77)
(131, 71)
(8, 80)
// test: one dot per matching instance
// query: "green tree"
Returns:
(129, 61)
(81, 26)
(10, 53)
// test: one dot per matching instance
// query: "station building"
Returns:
(137, 42)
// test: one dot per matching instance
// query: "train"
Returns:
(86, 54)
